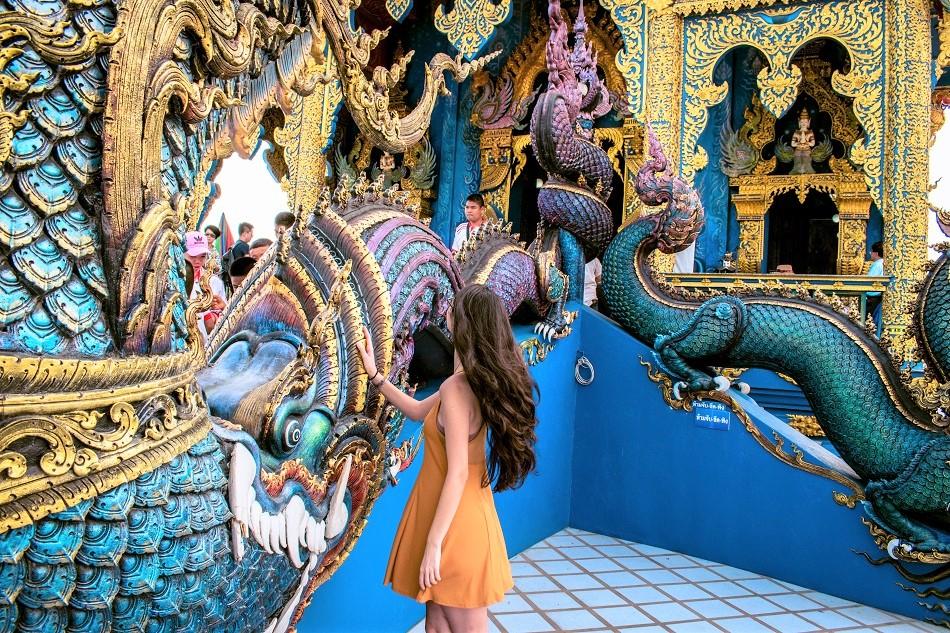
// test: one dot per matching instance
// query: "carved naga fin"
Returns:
(367, 98)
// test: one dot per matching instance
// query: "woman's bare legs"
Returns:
(466, 620)
(436, 621)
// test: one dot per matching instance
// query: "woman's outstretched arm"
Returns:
(455, 414)
(410, 407)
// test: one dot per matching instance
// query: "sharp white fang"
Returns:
(293, 515)
(338, 515)
(275, 533)
(254, 523)
(243, 471)
(237, 541)
(265, 533)
(282, 528)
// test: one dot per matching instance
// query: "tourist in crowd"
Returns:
(449, 550)
(243, 245)
(213, 266)
(240, 269)
(474, 219)
(282, 222)
(875, 299)
(259, 247)
(592, 273)
(196, 254)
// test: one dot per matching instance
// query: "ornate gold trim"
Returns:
(90, 451)
(535, 350)
(882, 538)
(47, 385)
(806, 425)
(757, 193)
(858, 26)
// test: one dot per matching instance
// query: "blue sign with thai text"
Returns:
(711, 414)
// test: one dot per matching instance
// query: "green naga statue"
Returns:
(899, 449)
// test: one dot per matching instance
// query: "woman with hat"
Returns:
(196, 253)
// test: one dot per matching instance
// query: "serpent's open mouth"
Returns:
(292, 523)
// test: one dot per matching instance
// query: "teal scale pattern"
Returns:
(52, 284)
(151, 555)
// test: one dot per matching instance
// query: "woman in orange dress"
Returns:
(449, 551)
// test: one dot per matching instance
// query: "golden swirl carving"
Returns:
(883, 538)
(612, 138)
(844, 125)
(806, 425)
(535, 350)
(145, 77)
(776, 448)
(306, 135)
(859, 28)
(368, 99)
(631, 20)
(519, 147)
(84, 452)
(62, 433)
(471, 23)
(50, 39)
(698, 7)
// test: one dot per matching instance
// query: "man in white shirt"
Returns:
(592, 272)
(475, 218)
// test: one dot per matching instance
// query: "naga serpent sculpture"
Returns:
(899, 449)
(576, 223)
(142, 488)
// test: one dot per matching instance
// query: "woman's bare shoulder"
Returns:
(456, 388)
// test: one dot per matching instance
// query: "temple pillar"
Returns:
(854, 210)
(664, 93)
(907, 132)
(632, 158)
(750, 213)
(496, 161)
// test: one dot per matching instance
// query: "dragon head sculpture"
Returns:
(595, 99)
(681, 221)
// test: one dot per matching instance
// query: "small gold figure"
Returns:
(803, 142)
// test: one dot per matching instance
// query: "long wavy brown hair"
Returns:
(496, 371)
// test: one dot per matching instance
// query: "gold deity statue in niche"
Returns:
(804, 150)
(803, 142)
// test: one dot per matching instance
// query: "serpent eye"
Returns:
(292, 435)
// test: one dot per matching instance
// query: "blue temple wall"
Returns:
(645, 473)
(354, 600)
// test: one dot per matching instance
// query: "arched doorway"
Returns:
(803, 234)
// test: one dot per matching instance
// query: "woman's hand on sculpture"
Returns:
(429, 572)
(365, 348)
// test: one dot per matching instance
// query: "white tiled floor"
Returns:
(578, 581)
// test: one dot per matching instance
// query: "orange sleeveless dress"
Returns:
(474, 569)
